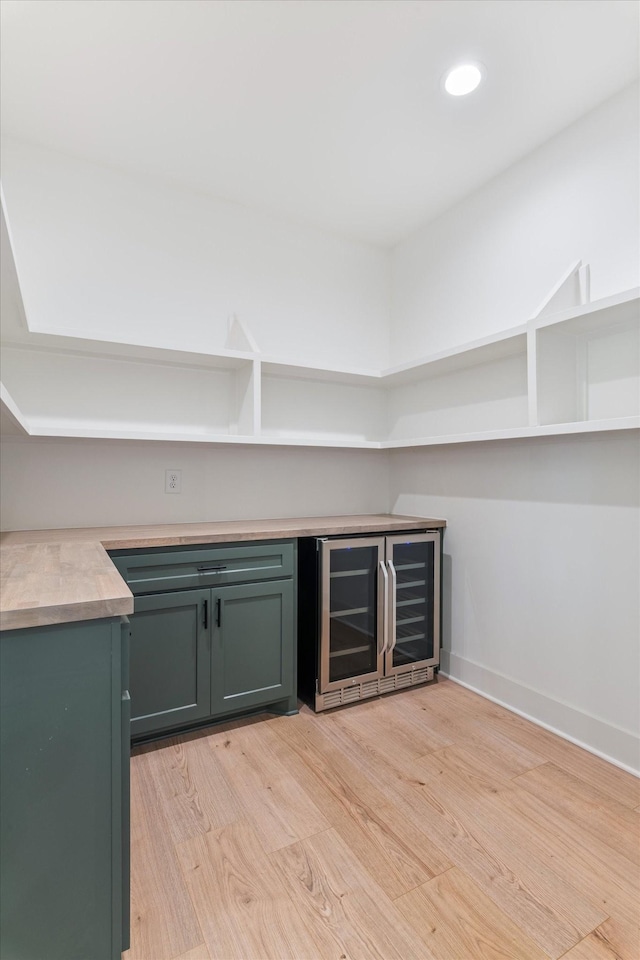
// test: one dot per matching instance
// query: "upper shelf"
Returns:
(525, 381)
(621, 311)
(506, 343)
(520, 433)
(12, 421)
(117, 350)
(484, 350)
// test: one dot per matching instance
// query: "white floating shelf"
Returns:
(574, 371)
(89, 431)
(504, 344)
(319, 441)
(586, 362)
(12, 421)
(515, 433)
(291, 369)
(621, 309)
(117, 350)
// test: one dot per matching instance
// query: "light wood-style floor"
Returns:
(427, 825)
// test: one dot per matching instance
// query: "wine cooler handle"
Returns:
(392, 608)
(384, 595)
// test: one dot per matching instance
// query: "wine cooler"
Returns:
(369, 616)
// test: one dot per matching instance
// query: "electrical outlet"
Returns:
(173, 481)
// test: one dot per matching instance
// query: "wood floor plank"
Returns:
(459, 701)
(608, 880)
(499, 754)
(191, 785)
(243, 908)
(371, 756)
(605, 943)
(466, 841)
(503, 832)
(464, 715)
(456, 919)
(457, 698)
(622, 938)
(163, 922)
(280, 811)
(597, 812)
(605, 877)
(398, 856)
(617, 783)
(198, 953)
(397, 733)
(341, 900)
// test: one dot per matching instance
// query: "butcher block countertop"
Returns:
(45, 583)
(59, 576)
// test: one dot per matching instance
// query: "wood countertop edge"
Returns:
(136, 537)
(277, 533)
(21, 619)
(50, 583)
(30, 544)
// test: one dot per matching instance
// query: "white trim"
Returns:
(612, 743)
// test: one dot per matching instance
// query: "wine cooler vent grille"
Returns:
(373, 688)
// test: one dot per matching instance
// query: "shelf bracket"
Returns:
(238, 337)
(571, 290)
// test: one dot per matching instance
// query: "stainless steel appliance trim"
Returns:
(392, 608)
(433, 536)
(327, 546)
(383, 596)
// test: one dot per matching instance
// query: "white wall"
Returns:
(75, 483)
(487, 263)
(542, 576)
(101, 253)
(543, 537)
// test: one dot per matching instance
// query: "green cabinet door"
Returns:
(63, 793)
(253, 646)
(170, 660)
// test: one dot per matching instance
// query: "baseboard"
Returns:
(618, 746)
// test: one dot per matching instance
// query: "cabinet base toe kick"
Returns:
(288, 707)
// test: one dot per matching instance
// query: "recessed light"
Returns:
(462, 79)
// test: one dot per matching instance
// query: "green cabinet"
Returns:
(252, 649)
(170, 660)
(226, 648)
(64, 792)
(181, 568)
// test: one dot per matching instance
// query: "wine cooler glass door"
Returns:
(413, 563)
(354, 621)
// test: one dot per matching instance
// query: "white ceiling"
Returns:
(329, 112)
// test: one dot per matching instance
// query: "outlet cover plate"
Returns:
(173, 481)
